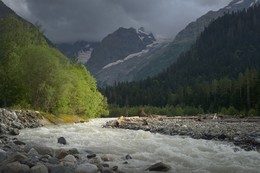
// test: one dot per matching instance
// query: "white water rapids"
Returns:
(184, 155)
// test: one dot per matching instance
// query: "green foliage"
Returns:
(232, 111)
(34, 75)
(115, 110)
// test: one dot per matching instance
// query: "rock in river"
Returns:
(161, 167)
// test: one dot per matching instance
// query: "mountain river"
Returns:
(183, 154)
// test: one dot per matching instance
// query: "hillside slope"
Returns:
(34, 75)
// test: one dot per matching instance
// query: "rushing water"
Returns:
(182, 154)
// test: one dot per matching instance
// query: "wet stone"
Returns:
(160, 167)
(3, 155)
(40, 168)
(91, 156)
(16, 167)
(14, 132)
(62, 140)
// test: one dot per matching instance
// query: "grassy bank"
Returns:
(64, 119)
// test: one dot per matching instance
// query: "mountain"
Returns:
(124, 69)
(186, 38)
(221, 70)
(117, 46)
(4, 10)
(117, 55)
(130, 54)
(81, 50)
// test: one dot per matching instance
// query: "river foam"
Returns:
(183, 154)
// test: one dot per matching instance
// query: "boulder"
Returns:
(53, 160)
(14, 132)
(32, 153)
(62, 140)
(70, 159)
(17, 125)
(60, 169)
(40, 168)
(107, 171)
(42, 150)
(106, 158)
(3, 128)
(60, 153)
(17, 142)
(114, 168)
(15, 167)
(17, 157)
(160, 167)
(3, 155)
(91, 156)
(127, 157)
(73, 151)
(87, 168)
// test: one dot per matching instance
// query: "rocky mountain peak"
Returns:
(118, 45)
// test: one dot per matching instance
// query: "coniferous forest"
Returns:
(34, 75)
(220, 73)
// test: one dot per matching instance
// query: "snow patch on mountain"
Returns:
(134, 55)
(84, 56)
(239, 2)
(253, 3)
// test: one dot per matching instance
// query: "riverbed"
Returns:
(182, 154)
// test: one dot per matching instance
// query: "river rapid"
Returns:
(183, 154)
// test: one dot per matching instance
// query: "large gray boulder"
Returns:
(87, 168)
(3, 155)
(16, 167)
(40, 168)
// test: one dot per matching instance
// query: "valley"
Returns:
(127, 87)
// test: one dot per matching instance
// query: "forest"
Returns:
(35, 75)
(220, 73)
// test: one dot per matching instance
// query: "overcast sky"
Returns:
(92, 20)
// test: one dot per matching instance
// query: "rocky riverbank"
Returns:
(243, 132)
(17, 156)
(11, 121)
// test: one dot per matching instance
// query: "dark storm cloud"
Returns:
(71, 20)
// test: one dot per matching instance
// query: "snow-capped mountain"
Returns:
(134, 54)
(125, 69)
(123, 47)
